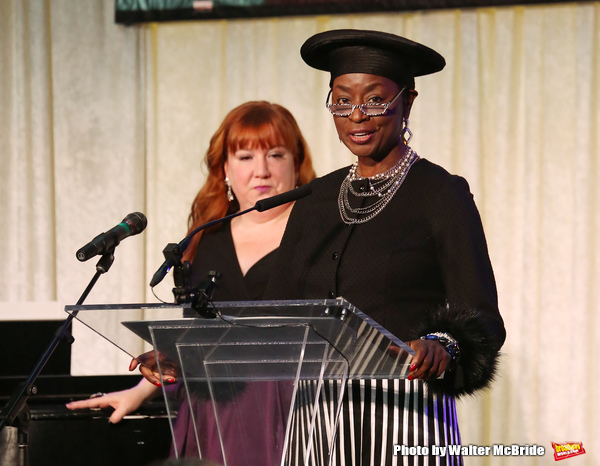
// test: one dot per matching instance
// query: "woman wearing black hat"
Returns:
(401, 239)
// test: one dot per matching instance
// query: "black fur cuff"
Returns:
(479, 340)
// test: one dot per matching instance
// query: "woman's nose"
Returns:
(357, 115)
(261, 167)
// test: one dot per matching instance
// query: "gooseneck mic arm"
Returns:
(174, 252)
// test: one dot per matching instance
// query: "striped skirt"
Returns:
(381, 422)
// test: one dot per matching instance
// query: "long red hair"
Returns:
(252, 125)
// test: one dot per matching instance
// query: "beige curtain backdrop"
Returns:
(72, 150)
(98, 120)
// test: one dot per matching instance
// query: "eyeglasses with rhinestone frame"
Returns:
(369, 109)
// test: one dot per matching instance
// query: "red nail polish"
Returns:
(413, 366)
(410, 377)
(157, 384)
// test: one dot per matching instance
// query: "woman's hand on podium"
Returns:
(430, 360)
(123, 402)
(149, 367)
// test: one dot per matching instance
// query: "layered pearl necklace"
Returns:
(383, 186)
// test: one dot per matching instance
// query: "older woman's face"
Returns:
(256, 174)
(369, 136)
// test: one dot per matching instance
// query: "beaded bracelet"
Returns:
(449, 343)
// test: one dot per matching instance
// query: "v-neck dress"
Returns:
(216, 251)
(258, 440)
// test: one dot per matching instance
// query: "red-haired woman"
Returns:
(257, 152)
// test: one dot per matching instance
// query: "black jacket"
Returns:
(419, 266)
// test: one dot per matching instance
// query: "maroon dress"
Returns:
(262, 406)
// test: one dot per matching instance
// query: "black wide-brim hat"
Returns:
(344, 51)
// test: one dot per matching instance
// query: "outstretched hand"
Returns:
(123, 402)
(430, 360)
(149, 365)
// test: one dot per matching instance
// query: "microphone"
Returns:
(261, 206)
(284, 198)
(131, 225)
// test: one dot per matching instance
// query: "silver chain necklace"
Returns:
(382, 185)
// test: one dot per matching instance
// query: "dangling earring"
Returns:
(406, 131)
(229, 191)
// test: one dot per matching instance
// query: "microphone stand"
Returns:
(16, 412)
(200, 296)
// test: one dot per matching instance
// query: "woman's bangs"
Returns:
(263, 136)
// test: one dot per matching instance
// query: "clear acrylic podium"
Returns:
(262, 383)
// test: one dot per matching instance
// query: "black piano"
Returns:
(58, 436)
